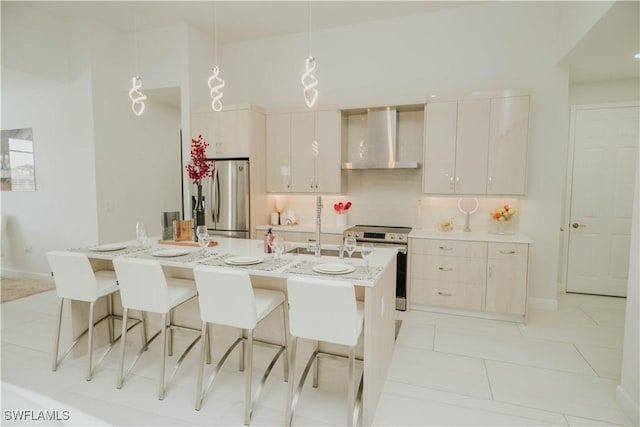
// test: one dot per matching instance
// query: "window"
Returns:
(17, 165)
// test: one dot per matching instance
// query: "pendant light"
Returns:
(215, 83)
(309, 81)
(137, 98)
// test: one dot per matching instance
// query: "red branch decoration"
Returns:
(200, 167)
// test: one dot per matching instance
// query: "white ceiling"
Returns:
(606, 52)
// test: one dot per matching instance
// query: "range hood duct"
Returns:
(380, 150)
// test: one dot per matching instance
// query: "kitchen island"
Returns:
(375, 287)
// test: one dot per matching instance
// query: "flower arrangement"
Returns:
(504, 213)
(200, 167)
(341, 208)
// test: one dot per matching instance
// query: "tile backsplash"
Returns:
(390, 197)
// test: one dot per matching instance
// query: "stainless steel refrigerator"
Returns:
(226, 198)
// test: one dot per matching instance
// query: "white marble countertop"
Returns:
(382, 257)
(476, 236)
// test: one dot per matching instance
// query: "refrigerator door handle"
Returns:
(217, 187)
(214, 198)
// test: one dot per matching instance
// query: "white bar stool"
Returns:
(227, 298)
(324, 310)
(75, 280)
(144, 287)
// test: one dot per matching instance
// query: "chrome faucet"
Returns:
(318, 213)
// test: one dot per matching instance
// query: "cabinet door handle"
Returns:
(490, 183)
(508, 252)
(444, 248)
(451, 185)
(444, 294)
(490, 271)
(445, 269)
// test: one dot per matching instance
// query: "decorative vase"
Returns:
(198, 212)
(341, 221)
(502, 227)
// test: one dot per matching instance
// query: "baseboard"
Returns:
(628, 406)
(469, 313)
(546, 304)
(18, 274)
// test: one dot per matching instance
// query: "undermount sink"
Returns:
(323, 252)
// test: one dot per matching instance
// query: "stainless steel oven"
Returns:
(396, 237)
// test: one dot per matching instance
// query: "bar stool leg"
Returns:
(316, 365)
(285, 321)
(56, 343)
(143, 329)
(207, 339)
(170, 347)
(164, 356)
(351, 387)
(110, 314)
(242, 350)
(292, 374)
(248, 397)
(90, 342)
(203, 339)
(123, 339)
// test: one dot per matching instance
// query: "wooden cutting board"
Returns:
(185, 243)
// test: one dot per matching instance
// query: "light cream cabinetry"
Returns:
(456, 147)
(508, 141)
(476, 146)
(474, 275)
(304, 152)
(278, 153)
(448, 273)
(507, 277)
(227, 132)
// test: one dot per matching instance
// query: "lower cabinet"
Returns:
(507, 278)
(484, 276)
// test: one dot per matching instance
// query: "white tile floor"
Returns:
(561, 368)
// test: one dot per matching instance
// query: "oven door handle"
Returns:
(401, 248)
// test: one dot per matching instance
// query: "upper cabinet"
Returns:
(476, 146)
(304, 152)
(278, 153)
(508, 139)
(227, 132)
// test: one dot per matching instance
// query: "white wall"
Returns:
(56, 102)
(627, 393)
(604, 92)
(482, 47)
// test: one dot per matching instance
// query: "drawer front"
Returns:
(446, 294)
(449, 269)
(508, 251)
(443, 247)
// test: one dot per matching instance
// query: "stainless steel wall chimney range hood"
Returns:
(381, 146)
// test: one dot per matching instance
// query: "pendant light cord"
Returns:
(135, 38)
(309, 37)
(215, 33)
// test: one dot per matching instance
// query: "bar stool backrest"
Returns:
(226, 297)
(73, 275)
(323, 310)
(143, 285)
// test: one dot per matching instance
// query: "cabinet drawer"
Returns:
(508, 251)
(447, 294)
(448, 269)
(460, 248)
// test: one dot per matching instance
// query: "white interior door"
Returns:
(602, 192)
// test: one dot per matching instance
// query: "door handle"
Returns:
(445, 269)
(576, 225)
